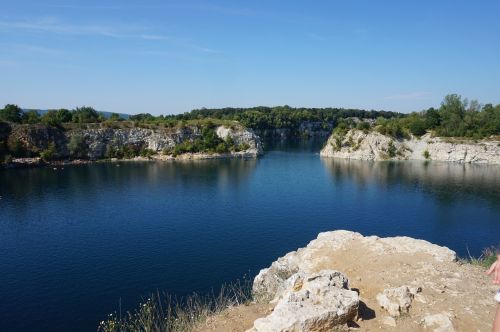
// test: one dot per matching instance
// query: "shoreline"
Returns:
(37, 162)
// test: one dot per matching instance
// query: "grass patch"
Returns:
(167, 314)
(488, 256)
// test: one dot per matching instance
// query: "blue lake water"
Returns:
(74, 242)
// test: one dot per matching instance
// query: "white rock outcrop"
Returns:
(311, 295)
(99, 139)
(311, 302)
(371, 145)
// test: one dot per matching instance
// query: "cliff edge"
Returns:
(343, 280)
(371, 145)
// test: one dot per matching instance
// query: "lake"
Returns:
(75, 242)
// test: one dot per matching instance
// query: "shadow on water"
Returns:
(20, 187)
(447, 182)
(312, 144)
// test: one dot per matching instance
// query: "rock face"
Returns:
(396, 301)
(35, 138)
(311, 302)
(311, 296)
(371, 145)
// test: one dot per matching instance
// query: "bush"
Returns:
(7, 159)
(363, 125)
(77, 147)
(50, 118)
(426, 154)
(488, 256)
(11, 113)
(31, 117)
(243, 147)
(222, 148)
(16, 147)
(49, 153)
(391, 150)
(85, 115)
(417, 126)
(147, 153)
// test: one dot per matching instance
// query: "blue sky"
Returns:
(172, 56)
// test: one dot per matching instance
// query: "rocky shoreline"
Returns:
(97, 144)
(346, 281)
(371, 145)
(38, 162)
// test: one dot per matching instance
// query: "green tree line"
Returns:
(456, 117)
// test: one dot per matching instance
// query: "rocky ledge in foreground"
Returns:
(343, 280)
(371, 145)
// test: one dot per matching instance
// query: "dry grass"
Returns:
(487, 257)
(165, 313)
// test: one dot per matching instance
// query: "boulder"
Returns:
(311, 302)
(438, 322)
(395, 300)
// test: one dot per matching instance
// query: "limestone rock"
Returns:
(395, 300)
(270, 281)
(439, 322)
(389, 321)
(98, 139)
(311, 302)
(371, 145)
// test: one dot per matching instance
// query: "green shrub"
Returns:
(49, 153)
(426, 154)
(222, 148)
(11, 113)
(243, 146)
(147, 153)
(16, 147)
(77, 147)
(7, 159)
(488, 256)
(391, 150)
(363, 125)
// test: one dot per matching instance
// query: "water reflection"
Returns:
(446, 181)
(28, 187)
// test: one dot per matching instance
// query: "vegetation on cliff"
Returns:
(456, 117)
(54, 140)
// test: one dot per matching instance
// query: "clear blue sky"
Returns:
(172, 56)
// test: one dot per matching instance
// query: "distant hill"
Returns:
(107, 115)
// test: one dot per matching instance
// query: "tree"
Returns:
(49, 153)
(16, 147)
(77, 147)
(432, 118)
(11, 113)
(85, 114)
(452, 112)
(31, 117)
(51, 118)
(64, 115)
(115, 117)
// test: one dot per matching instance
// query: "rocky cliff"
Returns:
(371, 145)
(343, 280)
(95, 141)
